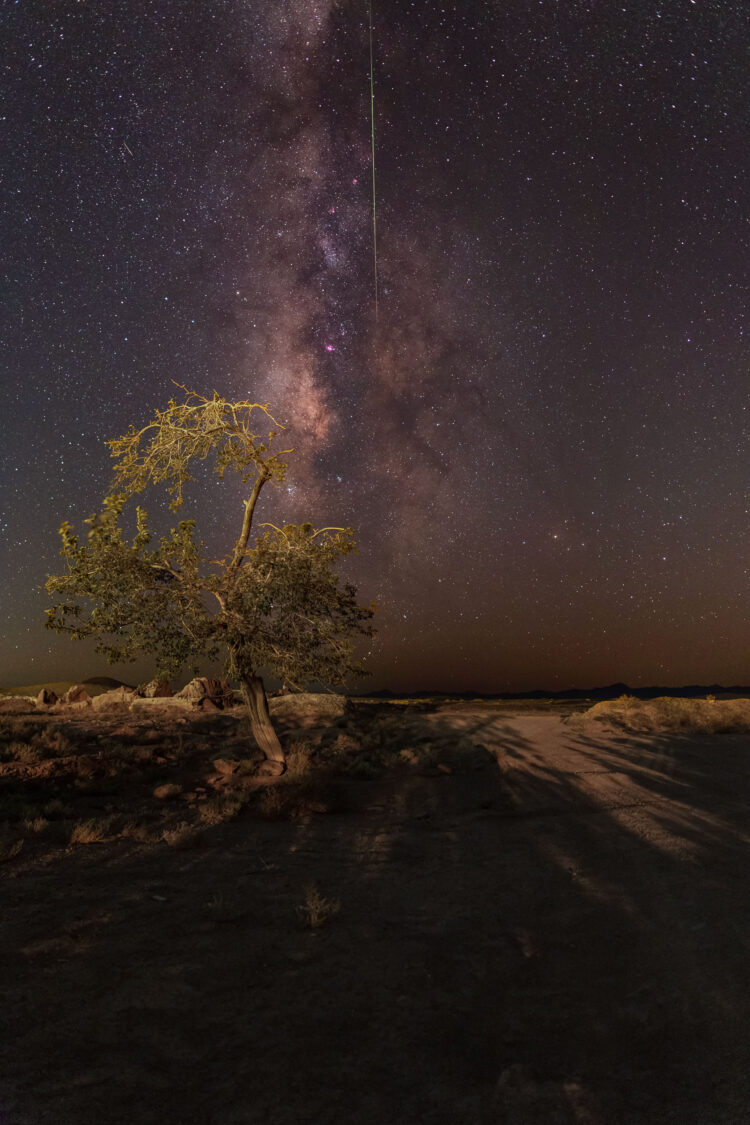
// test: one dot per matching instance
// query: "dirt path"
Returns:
(559, 934)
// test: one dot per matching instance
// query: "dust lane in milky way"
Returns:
(541, 439)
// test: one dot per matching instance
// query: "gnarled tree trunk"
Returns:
(254, 694)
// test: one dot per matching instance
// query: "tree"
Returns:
(274, 604)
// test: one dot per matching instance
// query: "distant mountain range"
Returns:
(612, 691)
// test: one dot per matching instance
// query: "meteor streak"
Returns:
(372, 134)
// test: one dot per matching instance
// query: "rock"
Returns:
(218, 692)
(76, 694)
(118, 697)
(161, 704)
(224, 765)
(47, 697)
(164, 792)
(158, 689)
(207, 704)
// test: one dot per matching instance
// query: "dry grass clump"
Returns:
(221, 808)
(35, 824)
(293, 798)
(91, 831)
(702, 716)
(9, 848)
(183, 835)
(316, 909)
(30, 741)
(298, 761)
(23, 752)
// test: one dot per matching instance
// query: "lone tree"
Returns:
(271, 604)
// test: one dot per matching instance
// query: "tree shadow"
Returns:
(551, 928)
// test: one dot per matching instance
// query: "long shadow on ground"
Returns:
(552, 927)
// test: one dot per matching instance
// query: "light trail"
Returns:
(372, 135)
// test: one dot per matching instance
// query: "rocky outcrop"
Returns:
(157, 689)
(47, 698)
(118, 697)
(202, 689)
(76, 694)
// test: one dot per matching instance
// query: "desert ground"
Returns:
(443, 913)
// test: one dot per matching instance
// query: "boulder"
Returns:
(167, 791)
(46, 697)
(76, 694)
(218, 692)
(224, 765)
(157, 689)
(118, 697)
(160, 705)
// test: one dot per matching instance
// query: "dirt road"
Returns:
(559, 932)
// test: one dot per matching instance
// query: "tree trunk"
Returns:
(254, 694)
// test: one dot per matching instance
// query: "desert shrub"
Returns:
(182, 835)
(53, 741)
(273, 803)
(298, 760)
(221, 808)
(316, 909)
(9, 848)
(13, 729)
(292, 799)
(91, 831)
(35, 824)
(135, 830)
(668, 714)
(24, 753)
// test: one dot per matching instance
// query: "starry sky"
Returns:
(541, 439)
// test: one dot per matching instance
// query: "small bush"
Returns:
(316, 909)
(298, 761)
(135, 830)
(24, 753)
(35, 824)
(220, 809)
(53, 741)
(91, 831)
(9, 849)
(183, 835)
(674, 714)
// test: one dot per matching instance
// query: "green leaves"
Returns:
(162, 451)
(276, 605)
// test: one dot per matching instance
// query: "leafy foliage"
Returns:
(274, 604)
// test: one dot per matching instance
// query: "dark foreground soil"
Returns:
(522, 919)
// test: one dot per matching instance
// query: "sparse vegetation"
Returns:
(35, 824)
(91, 831)
(9, 848)
(316, 910)
(675, 715)
(183, 835)
(221, 808)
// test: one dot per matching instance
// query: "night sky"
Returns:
(542, 440)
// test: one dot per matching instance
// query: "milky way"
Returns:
(542, 436)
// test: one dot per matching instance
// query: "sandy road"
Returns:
(559, 933)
